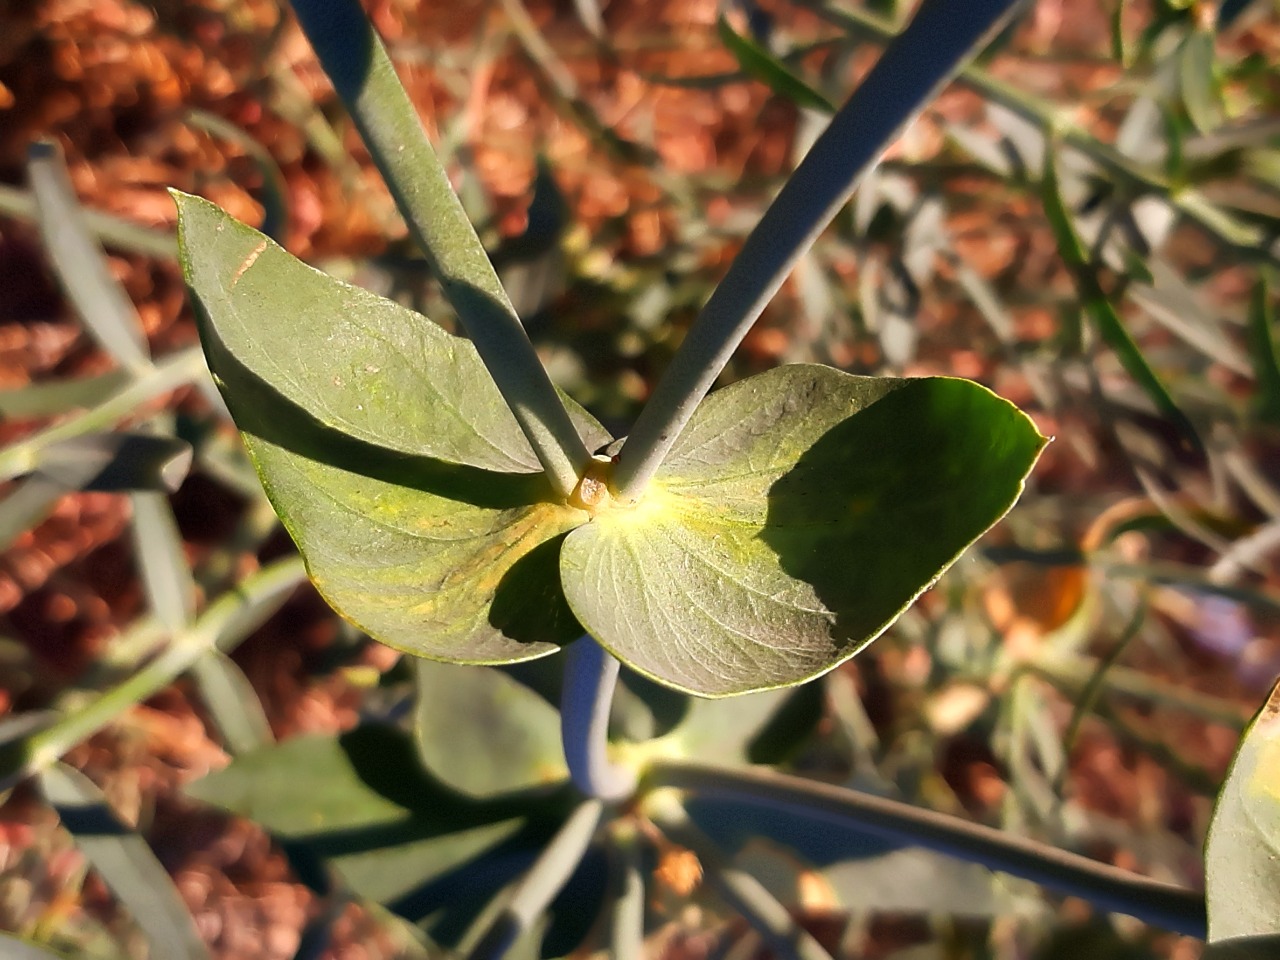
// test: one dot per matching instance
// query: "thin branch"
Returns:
(1159, 904)
(590, 677)
(546, 878)
(911, 71)
(626, 928)
(228, 620)
(356, 61)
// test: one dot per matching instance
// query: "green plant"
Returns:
(448, 501)
(451, 503)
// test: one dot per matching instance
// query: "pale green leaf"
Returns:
(361, 806)
(392, 459)
(1201, 91)
(1242, 852)
(484, 733)
(1265, 947)
(799, 513)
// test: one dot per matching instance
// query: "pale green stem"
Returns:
(226, 622)
(911, 71)
(172, 372)
(112, 231)
(1074, 674)
(590, 677)
(626, 928)
(546, 878)
(1115, 890)
(356, 61)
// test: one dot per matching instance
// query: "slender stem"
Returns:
(227, 621)
(1159, 904)
(626, 928)
(590, 677)
(738, 888)
(546, 878)
(111, 231)
(168, 374)
(907, 76)
(356, 61)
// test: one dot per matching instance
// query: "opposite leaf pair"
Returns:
(795, 518)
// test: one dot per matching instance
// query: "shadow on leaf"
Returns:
(886, 500)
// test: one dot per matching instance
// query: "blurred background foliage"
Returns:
(1086, 222)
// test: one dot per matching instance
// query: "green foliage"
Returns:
(795, 518)
(415, 499)
(1242, 852)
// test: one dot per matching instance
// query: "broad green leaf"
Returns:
(362, 806)
(382, 837)
(484, 733)
(799, 513)
(393, 461)
(125, 862)
(759, 63)
(1242, 852)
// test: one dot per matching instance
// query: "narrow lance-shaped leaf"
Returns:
(1242, 852)
(385, 447)
(79, 261)
(1100, 310)
(763, 66)
(125, 862)
(1262, 349)
(1201, 94)
(800, 512)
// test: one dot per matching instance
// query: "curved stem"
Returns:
(1159, 904)
(356, 61)
(546, 878)
(911, 71)
(590, 677)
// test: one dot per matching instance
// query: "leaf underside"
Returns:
(382, 442)
(799, 514)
